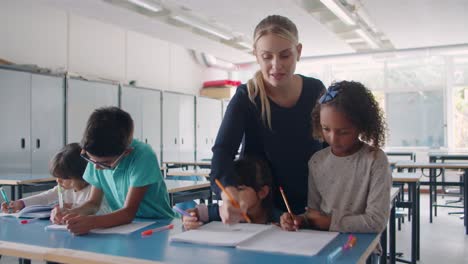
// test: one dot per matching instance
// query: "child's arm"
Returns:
(43, 198)
(377, 211)
(80, 223)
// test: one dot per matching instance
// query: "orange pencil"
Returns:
(287, 204)
(231, 199)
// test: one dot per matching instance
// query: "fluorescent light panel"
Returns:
(202, 27)
(142, 3)
(245, 44)
(368, 38)
(339, 11)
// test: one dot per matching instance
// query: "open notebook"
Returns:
(266, 238)
(32, 211)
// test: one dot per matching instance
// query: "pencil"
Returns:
(285, 201)
(231, 199)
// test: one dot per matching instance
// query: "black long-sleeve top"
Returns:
(287, 147)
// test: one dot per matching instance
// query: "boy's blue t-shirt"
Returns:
(137, 169)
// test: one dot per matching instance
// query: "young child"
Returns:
(350, 181)
(253, 181)
(123, 170)
(68, 167)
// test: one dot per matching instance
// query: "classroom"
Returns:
(177, 131)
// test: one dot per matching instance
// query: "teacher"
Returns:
(271, 116)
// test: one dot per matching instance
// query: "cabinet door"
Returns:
(187, 128)
(15, 116)
(152, 120)
(47, 122)
(208, 119)
(170, 129)
(83, 97)
(131, 101)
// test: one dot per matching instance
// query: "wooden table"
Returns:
(18, 182)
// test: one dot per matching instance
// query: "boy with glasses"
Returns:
(123, 170)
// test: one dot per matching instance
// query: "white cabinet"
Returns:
(144, 105)
(32, 114)
(209, 115)
(178, 127)
(83, 97)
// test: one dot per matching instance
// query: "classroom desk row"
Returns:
(179, 190)
(31, 241)
(435, 170)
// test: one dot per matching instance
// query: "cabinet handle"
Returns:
(23, 143)
(182, 141)
(175, 141)
(38, 143)
(206, 140)
(146, 140)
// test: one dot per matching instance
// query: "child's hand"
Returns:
(191, 222)
(290, 222)
(229, 214)
(79, 224)
(56, 215)
(14, 206)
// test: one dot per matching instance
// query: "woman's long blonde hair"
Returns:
(284, 28)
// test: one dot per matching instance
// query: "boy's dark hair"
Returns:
(359, 105)
(254, 173)
(67, 163)
(107, 132)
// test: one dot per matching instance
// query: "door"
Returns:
(209, 112)
(83, 97)
(152, 120)
(47, 122)
(187, 128)
(131, 101)
(15, 116)
(171, 140)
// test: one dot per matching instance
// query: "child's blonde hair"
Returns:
(279, 26)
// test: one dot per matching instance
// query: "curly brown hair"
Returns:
(360, 106)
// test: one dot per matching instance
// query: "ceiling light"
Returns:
(144, 4)
(245, 45)
(202, 27)
(368, 38)
(339, 11)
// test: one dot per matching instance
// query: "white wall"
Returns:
(52, 38)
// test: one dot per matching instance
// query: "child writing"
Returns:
(253, 181)
(123, 170)
(68, 167)
(349, 181)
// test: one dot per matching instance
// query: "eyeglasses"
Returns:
(102, 165)
(329, 95)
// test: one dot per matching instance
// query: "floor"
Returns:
(443, 241)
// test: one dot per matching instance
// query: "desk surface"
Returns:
(174, 186)
(448, 155)
(18, 179)
(189, 163)
(158, 248)
(203, 173)
(428, 165)
(406, 177)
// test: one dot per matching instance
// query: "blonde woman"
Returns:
(271, 115)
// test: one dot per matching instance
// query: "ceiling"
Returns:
(396, 24)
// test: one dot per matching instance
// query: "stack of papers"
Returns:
(122, 229)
